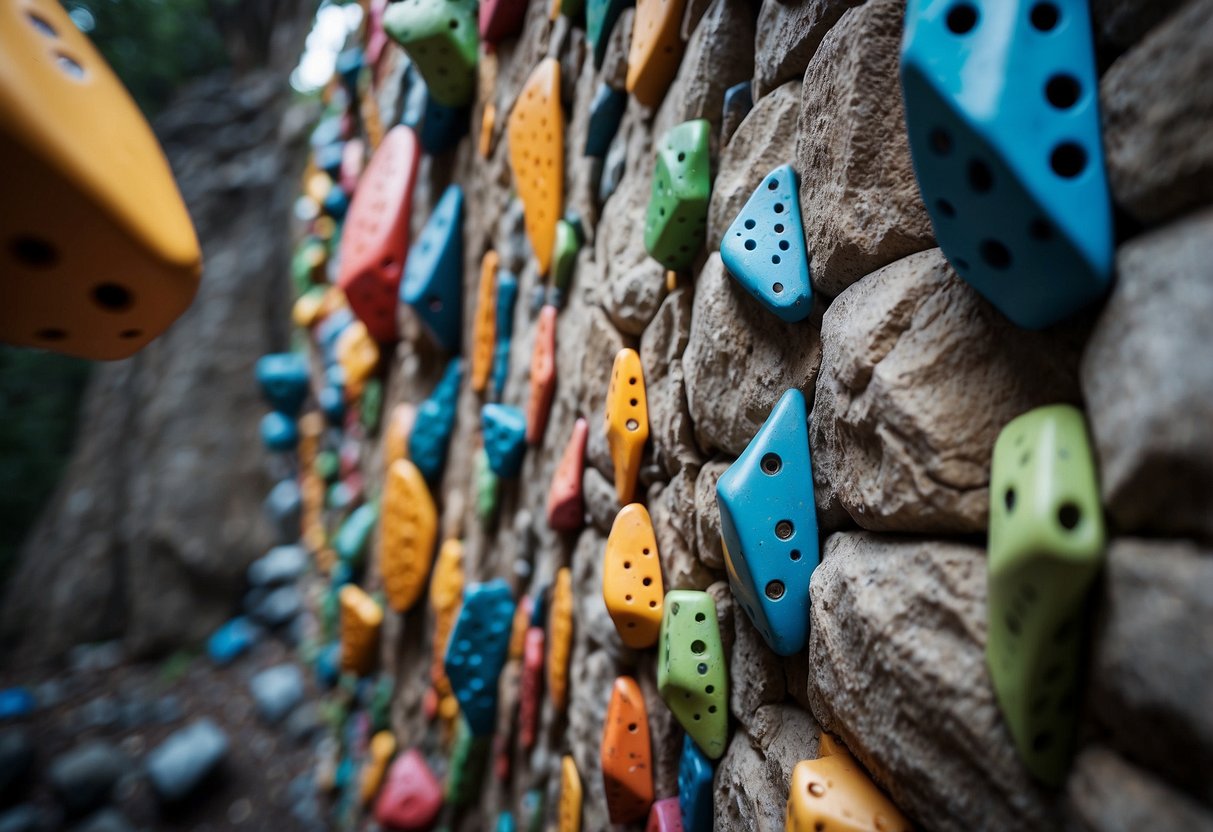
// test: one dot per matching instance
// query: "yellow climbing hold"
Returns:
(536, 137)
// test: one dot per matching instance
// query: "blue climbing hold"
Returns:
(232, 640)
(1002, 110)
(328, 158)
(329, 330)
(606, 111)
(354, 535)
(764, 248)
(768, 522)
(477, 651)
(505, 823)
(442, 127)
(336, 203)
(278, 431)
(504, 429)
(16, 703)
(694, 787)
(283, 377)
(600, 17)
(738, 101)
(435, 423)
(332, 404)
(507, 296)
(433, 275)
(328, 664)
(349, 66)
(414, 96)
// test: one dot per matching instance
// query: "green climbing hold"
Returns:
(1045, 548)
(372, 405)
(469, 756)
(691, 668)
(441, 38)
(486, 487)
(327, 465)
(569, 238)
(676, 223)
(352, 538)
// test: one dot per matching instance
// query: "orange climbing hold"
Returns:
(627, 421)
(361, 618)
(536, 137)
(407, 531)
(834, 793)
(396, 435)
(829, 746)
(382, 747)
(306, 311)
(570, 796)
(358, 355)
(627, 762)
(656, 49)
(446, 596)
(484, 327)
(99, 255)
(519, 626)
(543, 375)
(488, 121)
(560, 637)
(631, 578)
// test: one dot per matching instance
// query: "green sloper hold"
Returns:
(564, 255)
(441, 38)
(486, 487)
(352, 538)
(1045, 548)
(691, 668)
(371, 405)
(469, 755)
(676, 222)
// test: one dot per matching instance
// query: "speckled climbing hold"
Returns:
(565, 507)
(536, 138)
(530, 688)
(441, 39)
(600, 18)
(656, 49)
(361, 618)
(407, 533)
(627, 421)
(284, 381)
(500, 19)
(488, 122)
(477, 652)
(1045, 548)
(631, 578)
(374, 238)
(543, 375)
(627, 759)
(354, 534)
(381, 748)
(835, 793)
(694, 788)
(764, 248)
(606, 112)
(442, 127)
(469, 758)
(435, 423)
(504, 428)
(691, 672)
(569, 237)
(768, 523)
(433, 277)
(665, 816)
(560, 637)
(570, 795)
(507, 296)
(738, 101)
(411, 796)
(676, 221)
(1003, 119)
(358, 355)
(484, 325)
(278, 431)
(487, 486)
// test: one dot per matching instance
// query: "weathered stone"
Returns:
(1150, 405)
(740, 360)
(84, 777)
(661, 347)
(707, 514)
(632, 284)
(751, 783)
(592, 672)
(859, 199)
(1152, 664)
(183, 761)
(1121, 23)
(587, 343)
(765, 140)
(672, 509)
(1107, 794)
(756, 675)
(590, 615)
(919, 376)
(280, 565)
(788, 35)
(600, 500)
(1157, 108)
(897, 647)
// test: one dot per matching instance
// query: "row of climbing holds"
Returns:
(433, 277)
(631, 578)
(691, 674)
(407, 533)
(834, 792)
(536, 140)
(441, 37)
(627, 421)
(435, 423)
(477, 652)
(627, 757)
(676, 222)
(565, 505)
(543, 375)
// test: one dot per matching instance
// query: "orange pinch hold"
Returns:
(566, 508)
(560, 637)
(631, 578)
(484, 326)
(488, 121)
(835, 793)
(627, 421)
(627, 762)
(656, 49)
(536, 139)
(408, 527)
(361, 618)
(396, 437)
(543, 375)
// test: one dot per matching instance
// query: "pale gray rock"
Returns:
(276, 691)
(631, 284)
(707, 514)
(789, 32)
(83, 778)
(672, 508)
(671, 435)
(756, 675)
(1119, 24)
(1107, 794)
(751, 784)
(179, 765)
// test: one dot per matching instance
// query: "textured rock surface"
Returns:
(1151, 409)
(661, 350)
(918, 376)
(707, 514)
(1121, 23)
(1107, 794)
(751, 785)
(788, 35)
(1157, 116)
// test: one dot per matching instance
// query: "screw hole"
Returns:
(783, 529)
(1063, 91)
(775, 590)
(981, 178)
(794, 554)
(778, 228)
(1045, 16)
(1069, 516)
(1068, 159)
(1009, 499)
(771, 464)
(750, 245)
(131, 333)
(42, 25)
(962, 18)
(698, 647)
(996, 255)
(700, 617)
(749, 224)
(775, 259)
(70, 66)
(34, 252)
(772, 185)
(784, 245)
(941, 141)
(113, 297)
(778, 288)
(778, 207)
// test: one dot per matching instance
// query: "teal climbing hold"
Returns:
(505, 823)
(442, 127)
(278, 431)
(477, 651)
(600, 18)
(606, 112)
(435, 423)
(676, 221)
(694, 788)
(764, 248)
(283, 378)
(441, 39)
(507, 296)
(354, 535)
(433, 274)
(504, 429)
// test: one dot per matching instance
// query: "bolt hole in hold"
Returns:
(647, 582)
(946, 208)
(700, 617)
(775, 590)
(51, 334)
(1063, 91)
(1068, 159)
(779, 230)
(70, 66)
(962, 18)
(42, 25)
(981, 178)
(131, 333)
(111, 296)
(632, 726)
(1040, 230)
(794, 554)
(996, 255)
(775, 259)
(771, 464)
(1069, 516)
(749, 224)
(34, 252)
(940, 141)
(1045, 16)
(1009, 499)
(772, 184)
(750, 245)
(632, 424)
(698, 647)
(778, 207)
(682, 157)
(817, 790)
(783, 529)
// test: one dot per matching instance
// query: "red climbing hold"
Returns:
(411, 797)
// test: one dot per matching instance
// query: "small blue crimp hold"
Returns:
(505, 823)
(336, 202)
(1002, 112)
(738, 101)
(606, 111)
(349, 66)
(332, 404)
(694, 788)
(414, 96)
(328, 158)
(768, 522)
(504, 429)
(764, 248)
(435, 423)
(278, 431)
(433, 275)
(283, 377)
(342, 574)
(477, 650)
(232, 640)
(329, 330)
(326, 131)
(16, 703)
(354, 535)
(442, 127)
(328, 664)
(507, 297)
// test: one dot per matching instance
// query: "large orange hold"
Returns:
(656, 49)
(375, 238)
(566, 508)
(627, 761)
(361, 618)
(560, 637)
(484, 326)
(627, 421)
(631, 578)
(97, 251)
(834, 793)
(543, 375)
(407, 532)
(536, 137)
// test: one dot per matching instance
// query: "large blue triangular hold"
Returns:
(504, 429)
(433, 275)
(694, 788)
(435, 423)
(768, 521)
(283, 377)
(1002, 113)
(477, 651)
(764, 247)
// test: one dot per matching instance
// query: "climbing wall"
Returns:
(724, 414)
